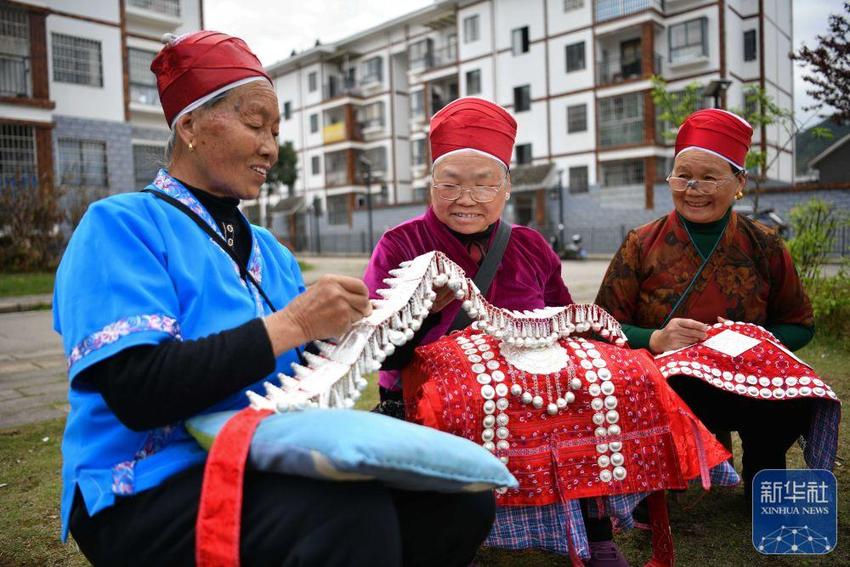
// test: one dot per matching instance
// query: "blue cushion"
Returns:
(338, 444)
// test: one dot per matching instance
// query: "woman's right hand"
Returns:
(444, 296)
(678, 333)
(327, 309)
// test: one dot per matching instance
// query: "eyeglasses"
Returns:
(702, 186)
(479, 193)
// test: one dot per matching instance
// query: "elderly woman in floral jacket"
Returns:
(701, 263)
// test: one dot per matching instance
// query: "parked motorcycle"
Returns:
(574, 250)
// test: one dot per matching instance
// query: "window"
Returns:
(577, 118)
(578, 179)
(338, 209)
(473, 82)
(371, 115)
(621, 120)
(142, 80)
(82, 163)
(314, 123)
(146, 162)
(315, 165)
(519, 40)
(15, 62)
(312, 82)
(575, 57)
(421, 54)
(688, 40)
(470, 29)
(17, 157)
(77, 60)
(377, 158)
(287, 110)
(750, 47)
(167, 7)
(417, 104)
(336, 169)
(373, 71)
(570, 5)
(417, 151)
(522, 98)
(523, 154)
(628, 172)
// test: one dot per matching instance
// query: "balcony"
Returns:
(609, 9)
(15, 78)
(433, 58)
(616, 71)
(154, 15)
(164, 7)
(621, 120)
(333, 133)
(338, 86)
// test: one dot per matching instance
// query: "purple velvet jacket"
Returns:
(528, 277)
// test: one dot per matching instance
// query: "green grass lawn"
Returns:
(26, 283)
(708, 529)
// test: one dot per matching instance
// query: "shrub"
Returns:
(814, 226)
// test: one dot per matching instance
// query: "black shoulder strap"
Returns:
(484, 276)
(243, 270)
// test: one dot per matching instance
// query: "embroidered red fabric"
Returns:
(763, 369)
(217, 531)
(556, 457)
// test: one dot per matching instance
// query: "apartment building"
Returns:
(574, 73)
(78, 102)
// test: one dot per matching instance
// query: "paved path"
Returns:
(33, 382)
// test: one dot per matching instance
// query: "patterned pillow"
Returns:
(347, 445)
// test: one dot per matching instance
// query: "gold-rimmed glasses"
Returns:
(479, 193)
(702, 186)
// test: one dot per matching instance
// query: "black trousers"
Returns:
(292, 521)
(768, 428)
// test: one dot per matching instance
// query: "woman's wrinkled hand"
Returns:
(678, 333)
(444, 297)
(327, 309)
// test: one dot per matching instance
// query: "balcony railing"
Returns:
(333, 133)
(610, 9)
(335, 88)
(616, 71)
(336, 178)
(15, 76)
(445, 55)
(167, 7)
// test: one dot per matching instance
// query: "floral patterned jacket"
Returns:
(750, 277)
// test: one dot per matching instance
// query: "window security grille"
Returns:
(77, 60)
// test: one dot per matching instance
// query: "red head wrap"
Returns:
(717, 132)
(194, 67)
(473, 123)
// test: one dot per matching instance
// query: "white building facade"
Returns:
(78, 103)
(574, 73)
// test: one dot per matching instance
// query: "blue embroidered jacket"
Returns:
(138, 271)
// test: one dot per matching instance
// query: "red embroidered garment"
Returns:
(763, 369)
(623, 431)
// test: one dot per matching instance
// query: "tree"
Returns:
(829, 67)
(672, 107)
(29, 221)
(285, 171)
